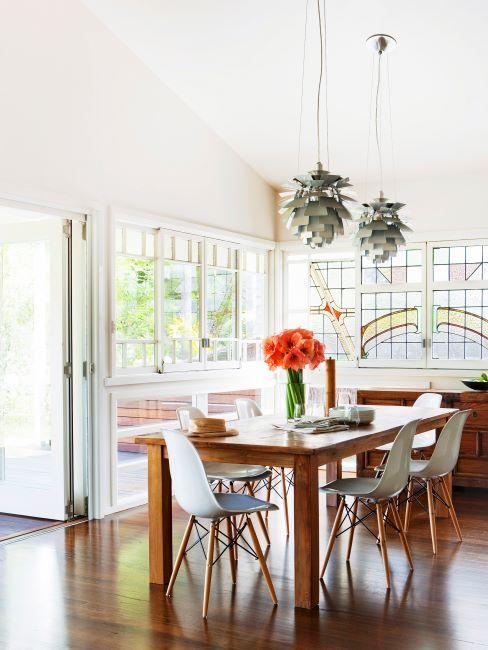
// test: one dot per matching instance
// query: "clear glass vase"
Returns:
(295, 395)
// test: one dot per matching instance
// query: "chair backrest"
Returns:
(187, 413)
(428, 400)
(395, 475)
(446, 452)
(247, 408)
(190, 484)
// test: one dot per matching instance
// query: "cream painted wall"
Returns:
(83, 121)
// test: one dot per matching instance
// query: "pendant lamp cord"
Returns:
(377, 120)
(326, 86)
(301, 90)
(319, 89)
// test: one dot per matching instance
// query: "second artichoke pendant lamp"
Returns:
(313, 204)
(381, 230)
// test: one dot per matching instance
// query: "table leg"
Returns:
(333, 471)
(306, 508)
(160, 516)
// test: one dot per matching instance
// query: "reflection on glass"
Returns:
(181, 312)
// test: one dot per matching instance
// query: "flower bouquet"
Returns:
(293, 350)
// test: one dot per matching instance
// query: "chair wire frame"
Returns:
(228, 542)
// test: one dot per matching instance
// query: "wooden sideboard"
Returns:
(472, 467)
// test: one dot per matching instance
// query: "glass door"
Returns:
(35, 367)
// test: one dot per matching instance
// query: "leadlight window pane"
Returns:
(405, 267)
(391, 325)
(332, 306)
(460, 324)
(460, 263)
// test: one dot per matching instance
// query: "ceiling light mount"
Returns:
(380, 42)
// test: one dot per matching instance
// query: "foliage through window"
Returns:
(134, 298)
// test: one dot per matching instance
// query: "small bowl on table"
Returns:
(474, 384)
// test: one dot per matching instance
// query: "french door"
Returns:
(36, 368)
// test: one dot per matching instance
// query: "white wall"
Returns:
(84, 121)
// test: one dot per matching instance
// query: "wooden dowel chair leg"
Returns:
(208, 571)
(262, 561)
(234, 523)
(353, 528)
(260, 517)
(232, 547)
(285, 501)
(332, 538)
(268, 494)
(452, 512)
(403, 537)
(181, 553)
(384, 551)
(430, 501)
(408, 506)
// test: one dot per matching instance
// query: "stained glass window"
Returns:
(405, 267)
(332, 306)
(460, 324)
(391, 325)
(460, 263)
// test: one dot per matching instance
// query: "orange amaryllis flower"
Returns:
(294, 359)
(293, 349)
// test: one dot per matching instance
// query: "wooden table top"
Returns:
(258, 434)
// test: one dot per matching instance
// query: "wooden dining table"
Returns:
(261, 443)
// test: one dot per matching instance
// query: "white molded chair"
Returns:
(430, 474)
(193, 493)
(247, 408)
(376, 491)
(427, 438)
(227, 472)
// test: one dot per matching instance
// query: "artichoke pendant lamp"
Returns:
(381, 230)
(313, 205)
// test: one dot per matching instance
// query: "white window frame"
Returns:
(137, 370)
(392, 288)
(242, 341)
(235, 249)
(450, 285)
(154, 225)
(181, 366)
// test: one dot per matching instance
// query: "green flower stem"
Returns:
(295, 391)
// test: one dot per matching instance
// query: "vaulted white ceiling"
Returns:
(238, 66)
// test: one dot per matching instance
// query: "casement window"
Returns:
(458, 320)
(184, 302)
(253, 312)
(391, 301)
(134, 326)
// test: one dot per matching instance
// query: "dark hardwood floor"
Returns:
(13, 525)
(86, 587)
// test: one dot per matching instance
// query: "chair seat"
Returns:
(235, 472)
(237, 504)
(355, 487)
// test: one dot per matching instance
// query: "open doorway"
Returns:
(42, 363)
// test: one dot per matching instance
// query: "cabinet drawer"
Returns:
(479, 415)
(472, 467)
